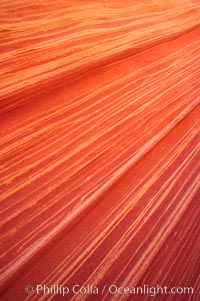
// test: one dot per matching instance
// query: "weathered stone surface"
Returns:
(99, 146)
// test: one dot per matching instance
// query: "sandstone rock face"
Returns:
(99, 149)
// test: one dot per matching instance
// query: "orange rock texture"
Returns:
(99, 148)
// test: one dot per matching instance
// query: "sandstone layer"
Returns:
(99, 146)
